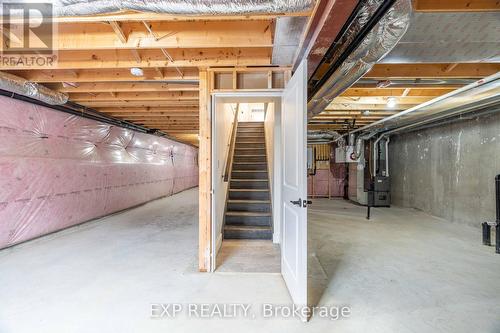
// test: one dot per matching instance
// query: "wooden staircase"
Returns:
(248, 208)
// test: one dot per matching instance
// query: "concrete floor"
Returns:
(403, 271)
(249, 256)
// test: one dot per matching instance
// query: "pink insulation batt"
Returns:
(58, 170)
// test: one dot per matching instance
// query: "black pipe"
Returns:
(365, 30)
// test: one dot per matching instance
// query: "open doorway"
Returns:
(246, 178)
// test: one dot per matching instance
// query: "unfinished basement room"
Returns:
(250, 166)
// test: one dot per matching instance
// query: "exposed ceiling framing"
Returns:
(95, 54)
(393, 87)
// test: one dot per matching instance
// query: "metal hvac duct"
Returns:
(350, 65)
(20, 86)
(179, 7)
(328, 135)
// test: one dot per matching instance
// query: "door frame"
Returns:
(275, 93)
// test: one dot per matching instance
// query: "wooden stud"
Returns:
(205, 175)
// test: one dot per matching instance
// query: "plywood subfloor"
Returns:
(249, 256)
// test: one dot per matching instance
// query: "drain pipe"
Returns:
(375, 153)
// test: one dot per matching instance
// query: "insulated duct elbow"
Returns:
(21, 86)
(381, 39)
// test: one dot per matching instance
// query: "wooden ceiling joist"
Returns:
(395, 92)
(472, 70)
(363, 107)
(103, 75)
(130, 96)
(456, 5)
(200, 34)
(170, 110)
(144, 103)
(123, 87)
(380, 100)
(130, 16)
(153, 58)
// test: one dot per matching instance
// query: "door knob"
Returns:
(306, 202)
(297, 202)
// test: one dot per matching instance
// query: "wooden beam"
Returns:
(448, 68)
(456, 5)
(326, 114)
(205, 175)
(158, 122)
(145, 103)
(204, 34)
(155, 114)
(123, 87)
(159, 71)
(103, 75)
(181, 131)
(395, 92)
(135, 54)
(151, 58)
(131, 96)
(380, 100)
(131, 16)
(118, 31)
(406, 92)
(164, 109)
(468, 70)
(362, 107)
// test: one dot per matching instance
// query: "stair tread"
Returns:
(250, 155)
(244, 213)
(248, 180)
(247, 227)
(249, 190)
(248, 201)
(250, 162)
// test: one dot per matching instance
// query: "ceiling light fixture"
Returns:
(366, 112)
(136, 71)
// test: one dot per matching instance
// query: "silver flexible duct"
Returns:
(323, 135)
(379, 41)
(180, 7)
(21, 86)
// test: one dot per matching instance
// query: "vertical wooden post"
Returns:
(205, 185)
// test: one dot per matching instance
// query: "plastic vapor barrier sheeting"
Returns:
(58, 170)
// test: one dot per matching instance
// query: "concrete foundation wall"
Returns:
(448, 171)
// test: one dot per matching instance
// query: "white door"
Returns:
(294, 186)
